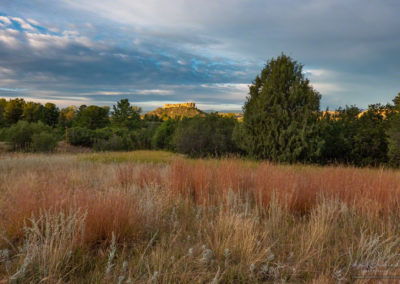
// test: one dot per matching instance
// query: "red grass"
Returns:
(113, 207)
(111, 211)
(296, 187)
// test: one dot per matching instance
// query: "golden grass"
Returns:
(73, 218)
(140, 156)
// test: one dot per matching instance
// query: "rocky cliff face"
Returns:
(183, 105)
(176, 110)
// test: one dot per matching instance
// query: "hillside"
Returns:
(176, 110)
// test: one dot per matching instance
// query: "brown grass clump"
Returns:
(65, 220)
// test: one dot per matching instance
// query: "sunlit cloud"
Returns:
(175, 51)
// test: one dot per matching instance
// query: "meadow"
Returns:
(157, 217)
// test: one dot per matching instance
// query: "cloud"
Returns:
(178, 50)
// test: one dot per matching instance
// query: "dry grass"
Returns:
(68, 220)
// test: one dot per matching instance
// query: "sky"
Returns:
(73, 52)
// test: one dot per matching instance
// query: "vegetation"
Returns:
(281, 114)
(74, 219)
(282, 123)
(174, 112)
(162, 217)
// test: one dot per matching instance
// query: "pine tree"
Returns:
(281, 113)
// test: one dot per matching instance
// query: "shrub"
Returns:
(205, 136)
(80, 136)
(115, 143)
(43, 142)
(164, 135)
(20, 134)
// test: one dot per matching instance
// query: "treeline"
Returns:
(29, 126)
(282, 123)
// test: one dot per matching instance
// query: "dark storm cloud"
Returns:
(169, 51)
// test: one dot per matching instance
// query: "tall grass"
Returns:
(66, 220)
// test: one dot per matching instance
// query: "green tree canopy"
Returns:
(281, 113)
(92, 117)
(14, 110)
(32, 111)
(125, 115)
(3, 104)
(50, 114)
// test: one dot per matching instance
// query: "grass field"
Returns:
(155, 217)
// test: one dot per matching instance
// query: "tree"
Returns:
(396, 101)
(92, 117)
(393, 133)
(163, 137)
(281, 114)
(3, 104)
(125, 115)
(32, 112)
(202, 136)
(50, 114)
(67, 116)
(370, 142)
(14, 110)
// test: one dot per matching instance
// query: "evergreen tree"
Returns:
(281, 113)
(92, 117)
(50, 113)
(125, 115)
(394, 134)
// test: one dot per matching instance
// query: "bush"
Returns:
(164, 135)
(143, 137)
(43, 142)
(115, 143)
(80, 136)
(20, 134)
(205, 136)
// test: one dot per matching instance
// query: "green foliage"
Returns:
(281, 114)
(354, 137)
(43, 142)
(79, 136)
(20, 135)
(66, 117)
(3, 104)
(14, 110)
(114, 143)
(393, 133)
(143, 137)
(164, 135)
(125, 115)
(370, 143)
(209, 135)
(50, 114)
(32, 112)
(92, 117)
(152, 117)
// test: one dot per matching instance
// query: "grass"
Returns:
(141, 156)
(103, 218)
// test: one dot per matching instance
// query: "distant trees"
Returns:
(164, 135)
(394, 134)
(67, 116)
(281, 114)
(209, 135)
(125, 115)
(50, 114)
(92, 117)
(3, 104)
(34, 136)
(14, 110)
(32, 112)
